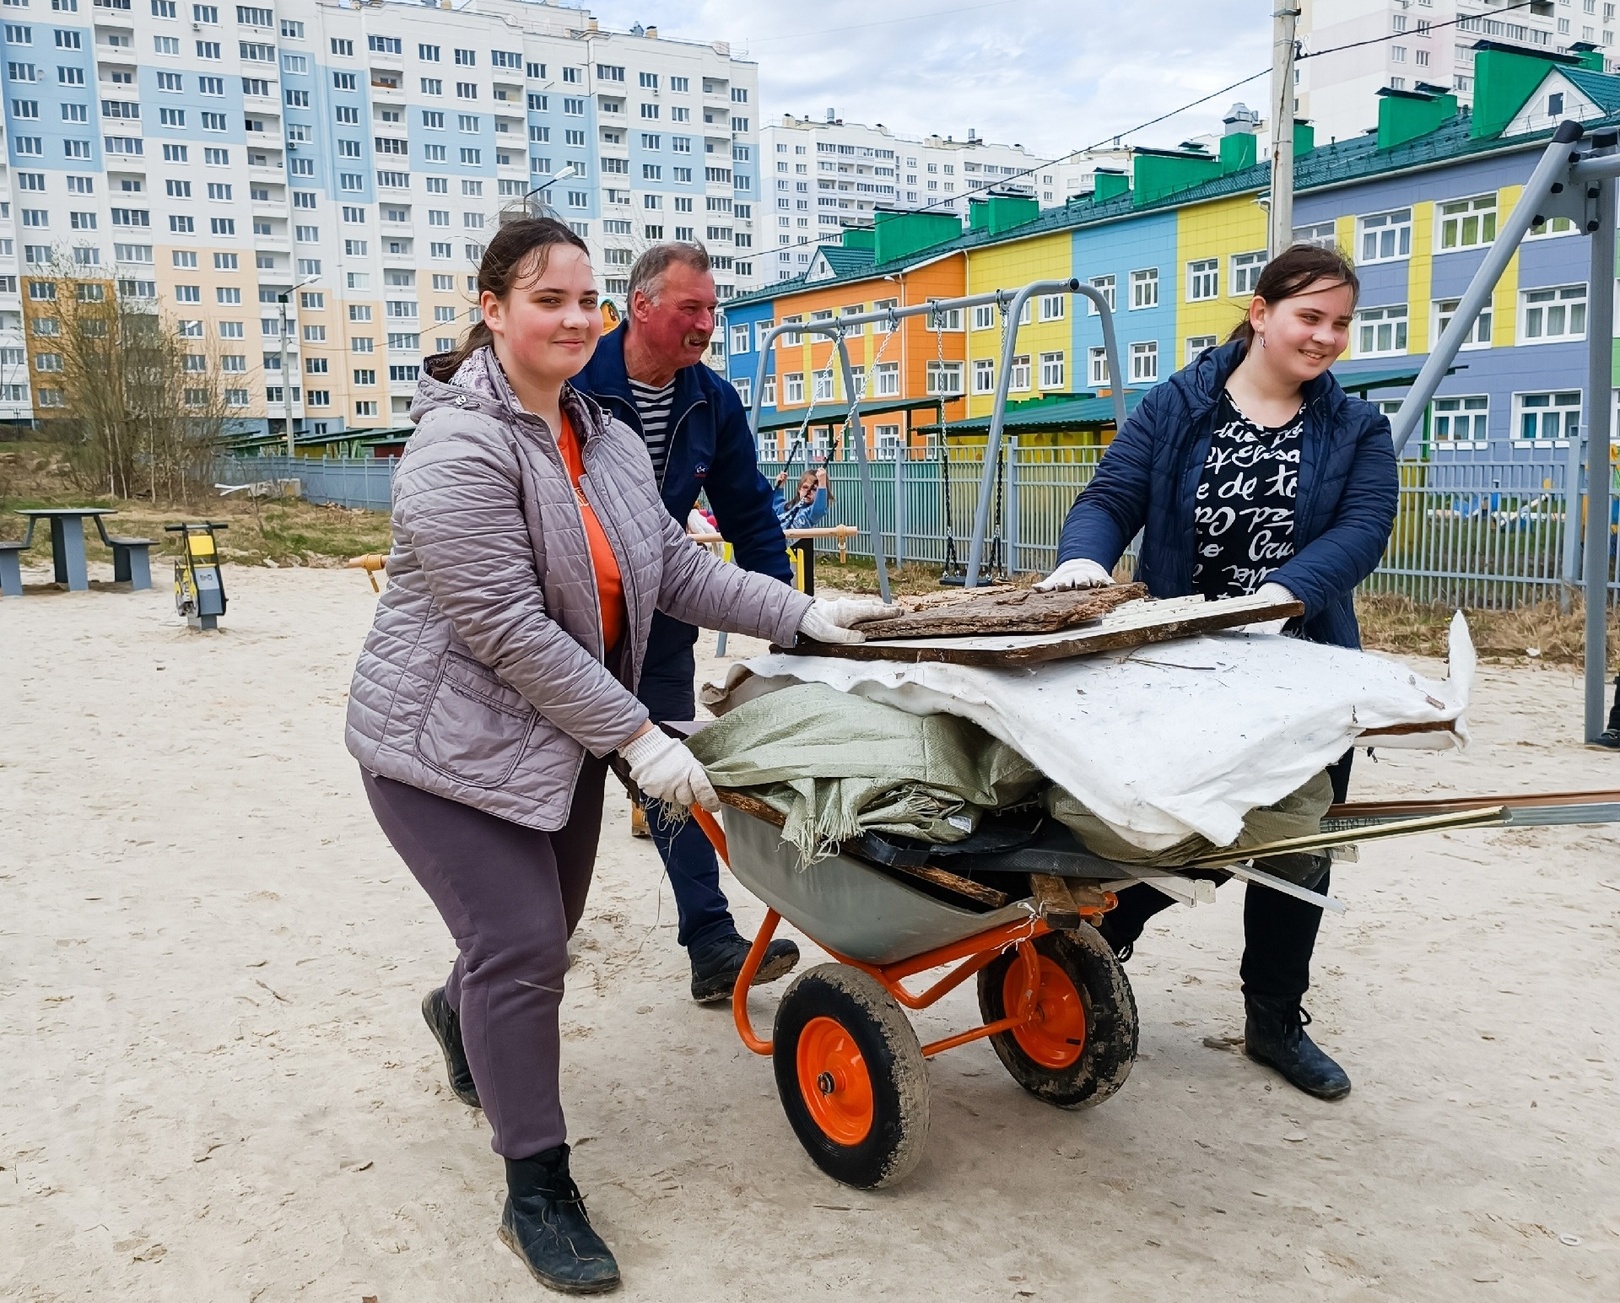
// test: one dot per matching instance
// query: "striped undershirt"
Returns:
(653, 406)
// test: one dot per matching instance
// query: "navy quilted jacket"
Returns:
(1147, 480)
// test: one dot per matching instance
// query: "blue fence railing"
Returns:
(1468, 534)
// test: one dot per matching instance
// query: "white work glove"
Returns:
(666, 771)
(1272, 593)
(833, 621)
(1078, 573)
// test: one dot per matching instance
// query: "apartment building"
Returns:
(1429, 43)
(354, 157)
(1176, 247)
(821, 176)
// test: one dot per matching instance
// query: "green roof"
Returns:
(1599, 87)
(845, 261)
(1051, 415)
(1334, 164)
(834, 413)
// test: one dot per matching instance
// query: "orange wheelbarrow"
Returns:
(851, 1073)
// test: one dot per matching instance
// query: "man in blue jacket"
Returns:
(650, 374)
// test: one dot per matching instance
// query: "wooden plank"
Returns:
(1452, 804)
(1053, 901)
(1086, 895)
(946, 881)
(1135, 625)
(975, 891)
(976, 613)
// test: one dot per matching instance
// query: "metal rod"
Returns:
(1248, 873)
(1553, 167)
(1572, 516)
(1599, 412)
(862, 468)
(998, 413)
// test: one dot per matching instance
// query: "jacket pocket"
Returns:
(474, 728)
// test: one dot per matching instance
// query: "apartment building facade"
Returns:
(1402, 44)
(354, 157)
(821, 176)
(1177, 248)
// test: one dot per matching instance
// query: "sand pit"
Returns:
(217, 1086)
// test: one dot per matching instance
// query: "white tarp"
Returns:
(1169, 739)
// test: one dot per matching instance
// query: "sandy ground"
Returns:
(216, 1084)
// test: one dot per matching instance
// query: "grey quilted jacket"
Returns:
(482, 679)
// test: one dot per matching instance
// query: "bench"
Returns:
(11, 562)
(130, 562)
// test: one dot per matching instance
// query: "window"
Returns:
(984, 375)
(1386, 236)
(1246, 269)
(1145, 288)
(1478, 337)
(823, 386)
(1546, 418)
(1052, 370)
(1105, 285)
(1381, 332)
(948, 319)
(1468, 223)
(1196, 344)
(887, 380)
(1461, 423)
(1204, 279)
(944, 379)
(1550, 227)
(1324, 235)
(1145, 362)
(739, 332)
(1552, 314)
(1097, 368)
(984, 316)
(1055, 306)
(793, 388)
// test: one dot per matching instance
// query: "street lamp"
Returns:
(286, 385)
(513, 215)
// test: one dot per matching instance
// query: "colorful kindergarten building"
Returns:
(1176, 247)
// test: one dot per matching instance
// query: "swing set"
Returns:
(992, 478)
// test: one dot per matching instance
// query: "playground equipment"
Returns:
(199, 589)
(1577, 185)
(1011, 305)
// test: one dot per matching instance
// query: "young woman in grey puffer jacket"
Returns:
(530, 550)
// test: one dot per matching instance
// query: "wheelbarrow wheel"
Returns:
(851, 1076)
(1078, 1048)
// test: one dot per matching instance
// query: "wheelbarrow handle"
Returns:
(713, 831)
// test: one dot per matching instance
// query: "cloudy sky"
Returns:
(1052, 75)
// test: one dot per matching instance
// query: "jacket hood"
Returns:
(1202, 383)
(479, 384)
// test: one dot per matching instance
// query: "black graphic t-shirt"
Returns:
(1244, 515)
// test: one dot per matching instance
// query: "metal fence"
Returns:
(1466, 534)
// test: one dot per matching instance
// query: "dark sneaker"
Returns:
(716, 964)
(1609, 737)
(1274, 1034)
(445, 1024)
(544, 1223)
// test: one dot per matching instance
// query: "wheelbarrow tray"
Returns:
(849, 907)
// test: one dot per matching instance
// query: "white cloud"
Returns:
(1053, 75)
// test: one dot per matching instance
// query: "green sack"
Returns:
(1299, 814)
(836, 765)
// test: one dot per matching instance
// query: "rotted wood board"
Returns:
(981, 613)
(1134, 625)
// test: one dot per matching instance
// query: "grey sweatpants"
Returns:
(511, 897)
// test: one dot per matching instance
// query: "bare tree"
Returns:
(138, 406)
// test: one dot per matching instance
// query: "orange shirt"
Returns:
(609, 583)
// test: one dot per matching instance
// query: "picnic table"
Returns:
(130, 562)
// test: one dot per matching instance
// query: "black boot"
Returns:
(445, 1024)
(717, 964)
(1274, 1034)
(544, 1223)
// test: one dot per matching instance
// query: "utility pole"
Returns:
(286, 385)
(1280, 231)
